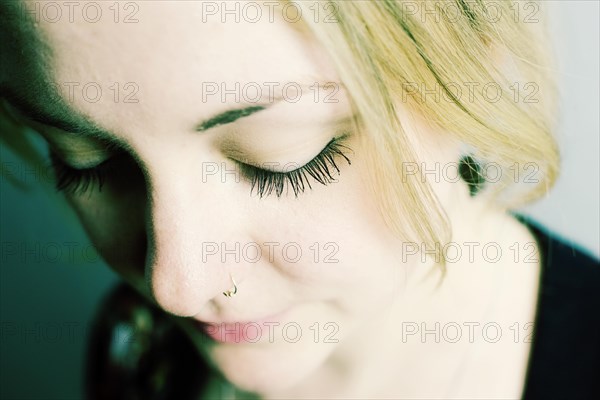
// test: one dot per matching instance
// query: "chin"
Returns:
(269, 368)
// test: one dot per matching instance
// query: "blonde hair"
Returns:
(381, 48)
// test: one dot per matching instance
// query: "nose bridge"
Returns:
(180, 218)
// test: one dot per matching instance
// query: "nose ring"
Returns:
(233, 291)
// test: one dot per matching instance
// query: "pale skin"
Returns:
(151, 219)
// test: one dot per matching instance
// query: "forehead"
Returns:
(143, 61)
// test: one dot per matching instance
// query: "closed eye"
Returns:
(321, 169)
(78, 181)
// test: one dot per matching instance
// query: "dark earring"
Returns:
(470, 171)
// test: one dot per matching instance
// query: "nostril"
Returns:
(184, 291)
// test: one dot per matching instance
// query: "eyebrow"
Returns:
(228, 117)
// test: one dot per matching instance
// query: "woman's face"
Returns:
(176, 216)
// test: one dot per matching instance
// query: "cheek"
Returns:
(334, 245)
(329, 244)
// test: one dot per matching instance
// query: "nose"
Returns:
(183, 220)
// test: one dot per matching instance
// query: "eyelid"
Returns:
(81, 160)
(84, 161)
(240, 158)
(79, 168)
(77, 151)
(78, 181)
(317, 169)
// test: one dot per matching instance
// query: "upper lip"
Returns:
(274, 316)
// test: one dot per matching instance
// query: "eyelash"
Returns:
(79, 181)
(319, 168)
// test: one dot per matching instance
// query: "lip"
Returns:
(237, 332)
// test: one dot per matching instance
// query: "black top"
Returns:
(565, 357)
(157, 361)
